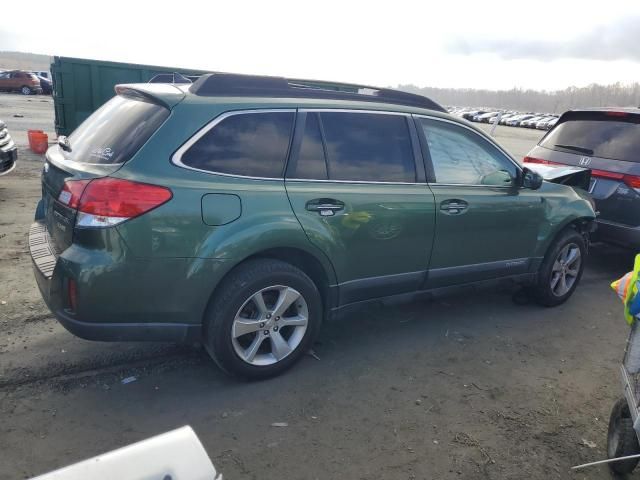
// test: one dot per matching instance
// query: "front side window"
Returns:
(461, 156)
(368, 147)
(249, 144)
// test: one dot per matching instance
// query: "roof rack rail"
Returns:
(231, 84)
(173, 77)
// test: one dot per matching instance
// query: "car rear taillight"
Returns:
(539, 160)
(632, 181)
(604, 174)
(105, 202)
(616, 114)
(71, 192)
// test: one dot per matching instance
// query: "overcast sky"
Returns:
(491, 44)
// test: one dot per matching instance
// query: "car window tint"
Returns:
(116, 131)
(606, 137)
(460, 156)
(368, 147)
(249, 144)
(311, 163)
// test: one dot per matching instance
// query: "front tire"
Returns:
(264, 317)
(561, 269)
(26, 90)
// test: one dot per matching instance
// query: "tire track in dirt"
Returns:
(109, 365)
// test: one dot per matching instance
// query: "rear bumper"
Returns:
(52, 292)
(127, 332)
(617, 233)
(121, 298)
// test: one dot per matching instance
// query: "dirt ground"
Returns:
(476, 387)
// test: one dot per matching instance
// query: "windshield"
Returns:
(116, 131)
(599, 135)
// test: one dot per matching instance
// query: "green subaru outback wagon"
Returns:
(242, 211)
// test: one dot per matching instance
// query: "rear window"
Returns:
(249, 144)
(598, 135)
(116, 131)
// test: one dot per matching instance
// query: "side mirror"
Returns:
(499, 178)
(531, 179)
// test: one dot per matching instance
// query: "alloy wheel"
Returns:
(270, 325)
(566, 269)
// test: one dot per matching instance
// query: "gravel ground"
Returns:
(476, 387)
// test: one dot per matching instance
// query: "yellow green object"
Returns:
(627, 288)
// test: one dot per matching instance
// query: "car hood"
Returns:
(563, 174)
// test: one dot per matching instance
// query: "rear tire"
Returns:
(264, 317)
(622, 440)
(561, 269)
(26, 90)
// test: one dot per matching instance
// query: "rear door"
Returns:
(354, 186)
(608, 143)
(486, 227)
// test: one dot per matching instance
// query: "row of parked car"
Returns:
(541, 121)
(26, 82)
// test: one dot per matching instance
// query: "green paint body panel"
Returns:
(384, 229)
(162, 267)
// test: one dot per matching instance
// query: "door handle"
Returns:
(453, 206)
(326, 207)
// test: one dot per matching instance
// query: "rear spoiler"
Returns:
(163, 94)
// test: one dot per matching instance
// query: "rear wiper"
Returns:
(63, 141)
(586, 151)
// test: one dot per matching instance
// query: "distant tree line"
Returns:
(616, 95)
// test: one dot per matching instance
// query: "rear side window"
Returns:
(116, 131)
(249, 144)
(460, 156)
(597, 134)
(368, 147)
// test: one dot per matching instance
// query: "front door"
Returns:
(486, 227)
(354, 187)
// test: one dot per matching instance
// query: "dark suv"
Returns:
(241, 211)
(606, 140)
